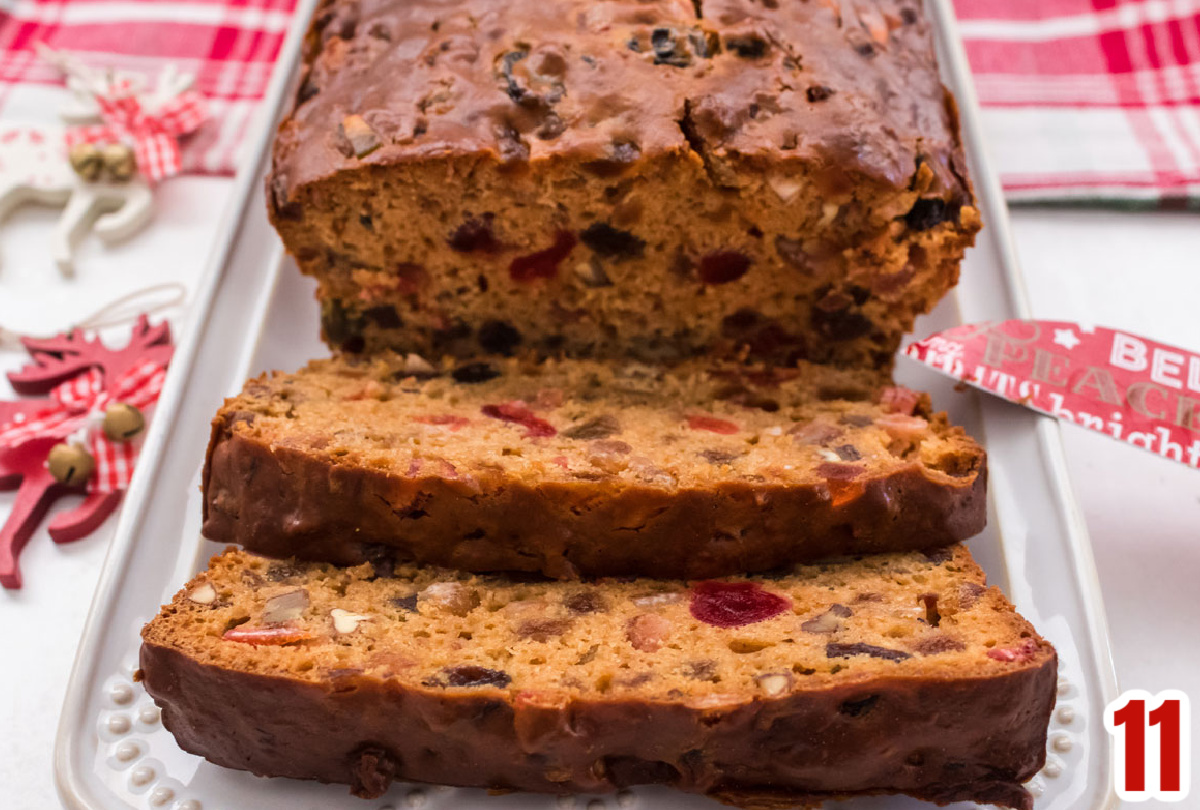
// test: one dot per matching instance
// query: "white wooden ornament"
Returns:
(34, 168)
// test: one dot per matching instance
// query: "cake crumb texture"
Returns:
(586, 468)
(654, 180)
(908, 664)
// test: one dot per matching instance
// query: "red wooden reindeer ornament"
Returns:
(87, 385)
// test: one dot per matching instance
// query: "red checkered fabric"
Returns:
(229, 45)
(1089, 98)
(1082, 98)
(77, 412)
(154, 134)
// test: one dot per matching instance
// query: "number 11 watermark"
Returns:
(1153, 740)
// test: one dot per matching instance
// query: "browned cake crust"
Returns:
(370, 679)
(580, 468)
(659, 179)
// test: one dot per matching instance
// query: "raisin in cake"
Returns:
(897, 673)
(661, 178)
(583, 468)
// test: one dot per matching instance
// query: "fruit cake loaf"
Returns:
(585, 468)
(896, 673)
(650, 178)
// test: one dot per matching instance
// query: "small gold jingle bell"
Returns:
(86, 161)
(70, 464)
(120, 164)
(122, 422)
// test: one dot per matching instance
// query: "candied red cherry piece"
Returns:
(267, 636)
(544, 263)
(518, 413)
(898, 399)
(702, 421)
(732, 604)
(1025, 651)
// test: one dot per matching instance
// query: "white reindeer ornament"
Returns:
(113, 201)
(34, 169)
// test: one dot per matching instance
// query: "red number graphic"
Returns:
(1151, 765)
(1167, 716)
(1133, 717)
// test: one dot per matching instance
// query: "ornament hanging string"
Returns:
(120, 311)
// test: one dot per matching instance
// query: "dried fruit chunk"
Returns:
(733, 604)
(701, 670)
(542, 630)
(474, 373)
(968, 594)
(518, 413)
(847, 452)
(827, 622)
(719, 457)
(847, 650)
(898, 399)
(598, 427)
(345, 622)
(356, 138)
(499, 337)
(470, 675)
(840, 482)
(266, 636)
(582, 602)
(406, 604)
(902, 427)
(447, 420)
(647, 631)
(814, 433)
(927, 213)
(476, 236)
(285, 607)
(1023, 652)
(713, 424)
(452, 597)
(937, 643)
(723, 267)
(544, 263)
(605, 240)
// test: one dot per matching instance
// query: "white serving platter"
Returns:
(254, 312)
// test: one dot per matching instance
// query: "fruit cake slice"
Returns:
(580, 468)
(892, 673)
(655, 178)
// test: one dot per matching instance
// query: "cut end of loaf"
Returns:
(700, 425)
(712, 644)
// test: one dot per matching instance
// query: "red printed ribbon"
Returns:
(1127, 387)
(78, 405)
(154, 136)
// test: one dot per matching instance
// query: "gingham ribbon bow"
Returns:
(154, 136)
(78, 406)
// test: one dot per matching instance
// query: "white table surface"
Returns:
(1139, 271)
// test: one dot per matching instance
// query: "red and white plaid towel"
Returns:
(1089, 99)
(229, 45)
(1082, 99)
